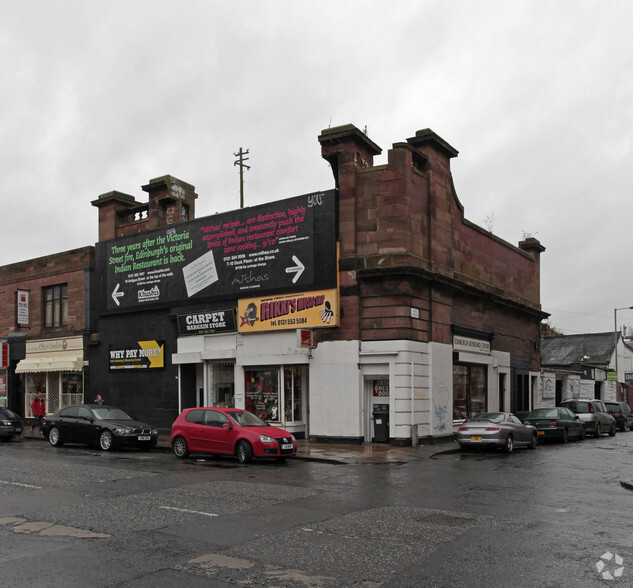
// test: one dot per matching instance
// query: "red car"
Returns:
(229, 431)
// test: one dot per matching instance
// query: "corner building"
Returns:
(373, 311)
(439, 317)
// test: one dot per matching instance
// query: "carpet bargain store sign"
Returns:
(280, 246)
(290, 311)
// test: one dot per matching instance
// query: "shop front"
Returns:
(480, 377)
(53, 367)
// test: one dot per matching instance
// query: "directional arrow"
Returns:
(298, 269)
(116, 294)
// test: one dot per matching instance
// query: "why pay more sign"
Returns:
(284, 245)
(142, 355)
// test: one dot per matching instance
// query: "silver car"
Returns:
(595, 415)
(496, 429)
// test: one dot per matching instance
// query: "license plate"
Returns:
(144, 438)
(541, 432)
(287, 446)
(476, 438)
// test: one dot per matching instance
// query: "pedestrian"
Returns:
(38, 410)
(98, 399)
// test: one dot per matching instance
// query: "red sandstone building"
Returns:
(408, 319)
(45, 324)
(432, 318)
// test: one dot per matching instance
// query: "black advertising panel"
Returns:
(207, 322)
(281, 246)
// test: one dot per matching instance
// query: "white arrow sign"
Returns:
(116, 294)
(298, 269)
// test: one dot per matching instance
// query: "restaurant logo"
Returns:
(149, 295)
(250, 315)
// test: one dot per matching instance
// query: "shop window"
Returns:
(262, 392)
(469, 390)
(222, 384)
(72, 392)
(293, 410)
(34, 383)
(55, 301)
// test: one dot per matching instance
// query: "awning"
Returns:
(61, 363)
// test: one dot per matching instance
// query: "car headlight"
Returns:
(293, 438)
(122, 431)
(266, 439)
(5, 422)
(154, 432)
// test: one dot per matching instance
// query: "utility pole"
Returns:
(240, 161)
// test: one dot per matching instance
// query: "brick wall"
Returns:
(69, 268)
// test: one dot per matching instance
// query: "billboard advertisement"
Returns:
(306, 310)
(283, 245)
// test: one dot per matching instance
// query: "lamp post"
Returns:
(615, 325)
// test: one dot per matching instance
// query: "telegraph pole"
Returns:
(240, 161)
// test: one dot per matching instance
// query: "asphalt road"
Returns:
(550, 517)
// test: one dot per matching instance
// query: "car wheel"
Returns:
(106, 441)
(583, 433)
(180, 447)
(244, 452)
(623, 427)
(565, 437)
(597, 432)
(509, 446)
(534, 442)
(54, 438)
(612, 431)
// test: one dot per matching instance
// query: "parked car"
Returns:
(622, 414)
(229, 431)
(496, 429)
(10, 424)
(97, 425)
(595, 415)
(556, 423)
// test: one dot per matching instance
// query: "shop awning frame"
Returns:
(63, 363)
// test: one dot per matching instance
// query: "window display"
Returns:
(262, 392)
(469, 390)
(292, 394)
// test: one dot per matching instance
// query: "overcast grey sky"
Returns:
(537, 96)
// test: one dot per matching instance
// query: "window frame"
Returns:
(55, 306)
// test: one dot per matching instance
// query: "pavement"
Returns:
(339, 453)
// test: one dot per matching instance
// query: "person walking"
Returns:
(38, 410)
(98, 399)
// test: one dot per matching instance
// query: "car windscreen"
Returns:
(613, 406)
(247, 419)
(543, 413)
(578, 406)
(109, 413)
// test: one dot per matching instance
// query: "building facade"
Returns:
(372, 311)
(45, 325)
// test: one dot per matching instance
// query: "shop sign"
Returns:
(628, 376)
(5, 355)
(472, 345)
(207, 322)
(22, 307)
(612, 376)
(549, 386)
(142, 355)
(381, 388)
(307, 310)
(54, 345)
(273, 247)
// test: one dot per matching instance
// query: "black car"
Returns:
(10, 424)
(556, 423)
(97, 425)
(622, 414)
